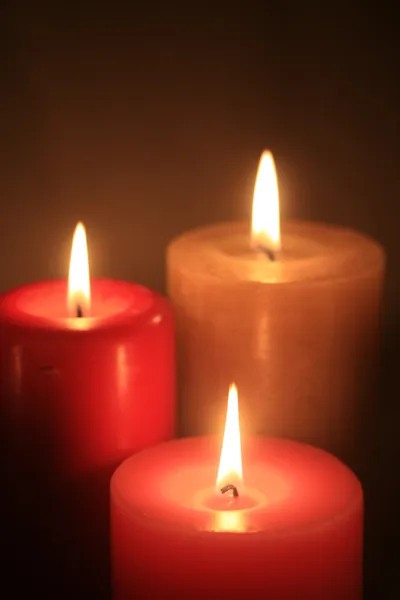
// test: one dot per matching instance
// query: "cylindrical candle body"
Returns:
(298, 335)
(78, 396)
(300, 539)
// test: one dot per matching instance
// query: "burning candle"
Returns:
(87, 379)
(293, 315)
(288, 525)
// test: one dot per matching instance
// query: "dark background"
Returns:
(146, 121)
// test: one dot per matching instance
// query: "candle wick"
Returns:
(79, 311)
(228, 487)
(267, 252)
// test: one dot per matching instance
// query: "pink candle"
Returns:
(289, 528)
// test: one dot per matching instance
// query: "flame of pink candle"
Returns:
(230, 470)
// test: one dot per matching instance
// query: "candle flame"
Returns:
(79, 299)
(230, 466)
(265, 226)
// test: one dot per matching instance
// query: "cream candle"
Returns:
(293, 315)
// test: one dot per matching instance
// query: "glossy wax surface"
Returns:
(87, 391)
(294, 533)
(299, 335)
(78, 395)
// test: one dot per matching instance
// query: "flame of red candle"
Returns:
(79, 299)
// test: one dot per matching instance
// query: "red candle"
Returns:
(290, 528)
(87, 379)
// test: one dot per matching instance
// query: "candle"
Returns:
(87, 379)
(288, 525)
(293, 315)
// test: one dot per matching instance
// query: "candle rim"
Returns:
(200, 251)
(10, 312)
(348, 474)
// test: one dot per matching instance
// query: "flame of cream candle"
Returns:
(265, 226)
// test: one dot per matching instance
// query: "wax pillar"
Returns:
(295, 532)
(300, 334)
(77, 395)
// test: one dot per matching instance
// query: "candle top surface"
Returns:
(287, 486)
(310, 251)
(45, 304)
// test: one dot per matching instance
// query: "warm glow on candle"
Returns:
(229, 520)
(79, 280)
(265, 227)
(230, 466)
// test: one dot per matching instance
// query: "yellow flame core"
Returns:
(79, 279)
(230, 465)
(265, 225)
